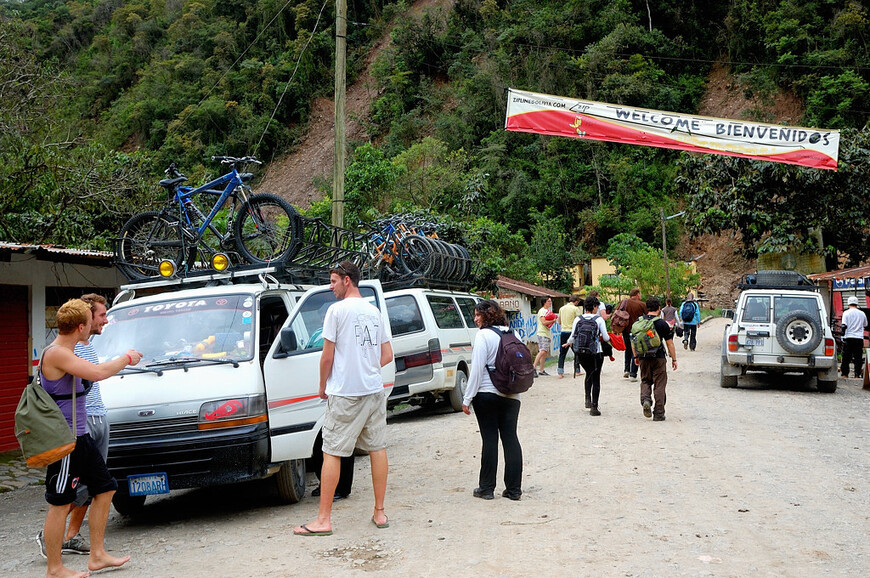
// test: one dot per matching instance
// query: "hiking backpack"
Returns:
(513, 371)
(687, 314)
(585, 335)
(644, 337)
(619, 318)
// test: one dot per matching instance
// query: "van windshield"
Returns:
(214, 327)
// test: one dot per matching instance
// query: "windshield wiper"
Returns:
(131, 369)
(184, 361)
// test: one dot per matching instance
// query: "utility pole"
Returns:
(340, 97)
(665, 253)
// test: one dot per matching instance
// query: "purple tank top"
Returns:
(63, 386)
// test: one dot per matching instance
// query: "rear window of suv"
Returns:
(784, 305)
(756, 310)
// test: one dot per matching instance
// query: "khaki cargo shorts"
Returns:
(355, 422)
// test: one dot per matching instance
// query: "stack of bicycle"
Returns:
(405, 249)
(237, 229)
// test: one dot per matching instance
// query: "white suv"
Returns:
(433, 331)
(780, 326)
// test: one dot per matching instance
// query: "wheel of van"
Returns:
(726, 380)
(290, 481)
(458, 392)
(798, 332)
(128, 505)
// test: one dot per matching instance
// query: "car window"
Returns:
(446, 313)
(784, 305)
(307, 324)
(466, 306)
(404, 315)
(756, 310)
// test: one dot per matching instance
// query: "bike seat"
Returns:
(170, 183)
(246, 177)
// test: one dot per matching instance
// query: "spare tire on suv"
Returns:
(798, 332)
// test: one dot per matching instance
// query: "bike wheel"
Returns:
(267, 229)
(417, 255)
(145, 240)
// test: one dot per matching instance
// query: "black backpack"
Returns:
(513, 371)
(687, 314)
(586, 335)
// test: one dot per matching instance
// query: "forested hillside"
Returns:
(99, 95)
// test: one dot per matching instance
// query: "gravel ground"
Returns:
(770, 479)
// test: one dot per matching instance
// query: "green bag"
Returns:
(645, 338)
(41, 428)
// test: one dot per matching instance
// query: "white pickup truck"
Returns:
(227, 389)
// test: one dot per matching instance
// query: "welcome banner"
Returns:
(559, 116)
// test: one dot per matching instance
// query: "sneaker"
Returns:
(536, 373)
(75, 545)
(40, 539)
(482, 494)
(594, 410)
(685, 344)
(625, 374)
(647, 411)
(544, 373)
(633, 378)
(588, 402)
(511, 496)
(658, 418)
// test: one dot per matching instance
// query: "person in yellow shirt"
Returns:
(567, 313)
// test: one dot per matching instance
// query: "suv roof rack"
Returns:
(776, 279)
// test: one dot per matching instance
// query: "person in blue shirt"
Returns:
(690, 313)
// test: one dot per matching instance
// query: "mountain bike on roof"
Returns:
(251, 228)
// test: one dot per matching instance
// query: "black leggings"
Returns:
(591, 363)
(497, 417)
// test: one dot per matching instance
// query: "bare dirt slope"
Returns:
(295, 176)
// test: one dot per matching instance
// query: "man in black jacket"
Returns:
(653, 364)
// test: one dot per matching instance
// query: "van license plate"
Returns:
(148, 484)
(753, 342)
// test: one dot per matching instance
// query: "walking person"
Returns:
(635, 307)
(690, 314)
(669, 313)
(497, 413)
(61, 373)
(567, 314)
(854, 322)
(590, 356)
(653, 364)
(356, 345)
(546, 319)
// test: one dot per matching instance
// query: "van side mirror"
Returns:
(288, 340)
(728, 313)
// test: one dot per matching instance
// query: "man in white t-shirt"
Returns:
(854, 322)
(356, 344)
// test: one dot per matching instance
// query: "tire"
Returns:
(456, 394)
(418, 256)
(726, 381)
(128, 505)
(267, 230)
(290, 481)
(799, 332)
(826, 386)
(145, 240)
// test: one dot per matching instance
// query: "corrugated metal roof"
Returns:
(854, 273)
(56, 252)
(527, 288)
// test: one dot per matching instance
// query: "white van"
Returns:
(227, 390)
(433, 331)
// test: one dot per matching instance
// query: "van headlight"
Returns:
(233, 412)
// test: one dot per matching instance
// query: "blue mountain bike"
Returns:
(250, 228)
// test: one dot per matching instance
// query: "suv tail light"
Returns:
(829, 347)
(433, 355)
(732, 343)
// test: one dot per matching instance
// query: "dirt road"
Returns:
(769, 480)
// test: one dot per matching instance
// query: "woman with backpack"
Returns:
(690, 314)
(586, 336)
(497, 413)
